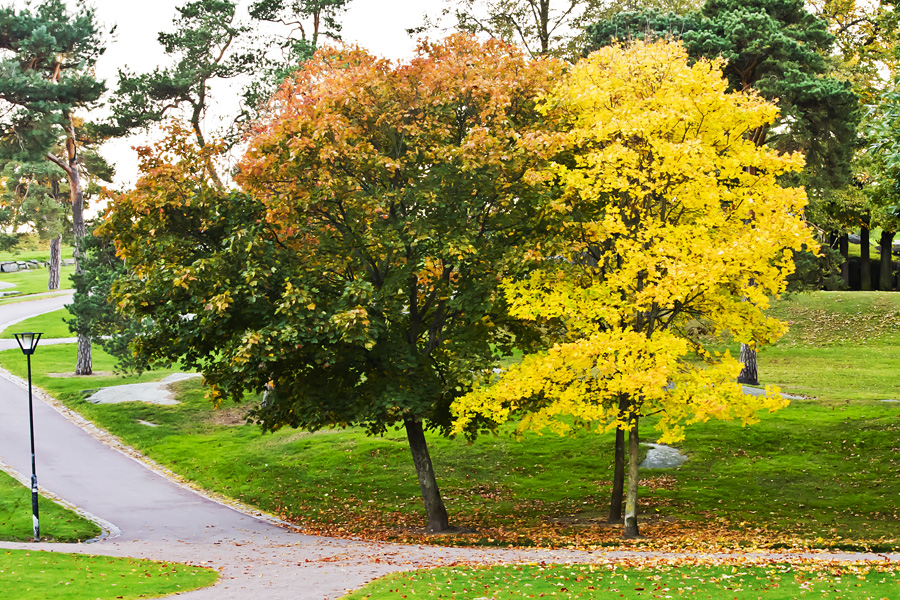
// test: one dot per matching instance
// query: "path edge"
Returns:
(112, 441)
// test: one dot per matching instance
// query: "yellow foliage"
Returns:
(674, 214)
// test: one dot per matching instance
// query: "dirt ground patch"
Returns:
(232, 416)
(94, 374)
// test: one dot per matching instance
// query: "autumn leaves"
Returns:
(401, 228)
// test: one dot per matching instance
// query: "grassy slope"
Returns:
(39, 255)
(57, 524)
(35, 575)
(821, 472)
(31, 282)
(841, 346)
(50, 324)
(731, 582)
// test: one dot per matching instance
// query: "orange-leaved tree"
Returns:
(674, 228)
(356, 278)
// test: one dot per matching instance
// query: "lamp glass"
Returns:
(28, 341)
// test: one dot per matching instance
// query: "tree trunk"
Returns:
(83, 364)
(886, 272)
(631, 497)
(55, 263)
(865, 268)
(844, 243)
(431, 495)
(618, 485)
(749, 374)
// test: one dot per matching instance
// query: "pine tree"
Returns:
(47, 58)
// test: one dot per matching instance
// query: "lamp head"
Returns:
(28, 342)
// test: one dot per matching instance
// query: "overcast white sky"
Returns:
(379, 26)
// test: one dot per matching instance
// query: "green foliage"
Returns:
(206, 45)
(58, 576)
(883, 134)
(93, 311)
(541, 27)
(35, 195)
(816, 270)
(312, 19)
(47, 55)
(866, 35)
(320, 17)
(371, 296)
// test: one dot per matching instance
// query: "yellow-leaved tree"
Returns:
(675, 218)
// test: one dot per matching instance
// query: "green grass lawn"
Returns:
(824, 472)
(841, 346)
(34, 575)
(31, 282)
(42, 255)
(57, 523)
(50, 324)
(607, 582)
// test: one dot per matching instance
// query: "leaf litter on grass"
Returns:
(750, 579)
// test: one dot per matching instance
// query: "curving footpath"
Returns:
(147, 513)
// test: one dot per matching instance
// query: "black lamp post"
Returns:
(28, 343)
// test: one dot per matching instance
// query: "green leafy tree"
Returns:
(35, 198)
(865, 34)
(883, 133)
(93, 311)
(865, 37)
(778, 49)
(47, 56)
(540, 26)
(206, 46)
(356, 279)
(311, 18)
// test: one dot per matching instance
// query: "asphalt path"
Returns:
(148, 513)
(12, 313)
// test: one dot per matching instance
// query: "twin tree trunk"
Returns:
(84, 362)
(70, 165)
(631, 496)
(618, 484)
(431, 495)
(55, 263)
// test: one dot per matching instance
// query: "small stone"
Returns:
(662, 457)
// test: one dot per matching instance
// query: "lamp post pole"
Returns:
(28, 343)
